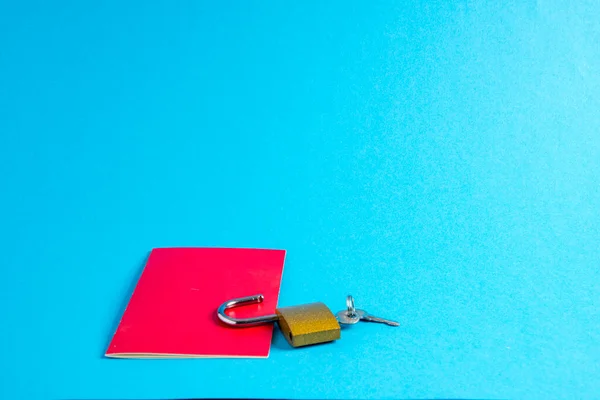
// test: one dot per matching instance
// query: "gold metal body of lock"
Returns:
(301, 325)
(308, 324)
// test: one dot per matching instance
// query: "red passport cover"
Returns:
(172, 312)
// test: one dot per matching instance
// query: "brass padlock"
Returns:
(301, 325)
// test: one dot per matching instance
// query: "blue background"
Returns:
(440, 162)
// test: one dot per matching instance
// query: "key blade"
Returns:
(381, 320)
(365, 316)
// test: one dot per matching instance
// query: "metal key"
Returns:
(351, 315)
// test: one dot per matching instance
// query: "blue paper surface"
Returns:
(438, 160)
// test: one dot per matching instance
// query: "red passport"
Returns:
(172, 312)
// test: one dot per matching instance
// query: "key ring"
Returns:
(350, 305)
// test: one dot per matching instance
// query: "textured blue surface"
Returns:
(441, 162)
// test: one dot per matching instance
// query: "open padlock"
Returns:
(301, 325)
(305, 324)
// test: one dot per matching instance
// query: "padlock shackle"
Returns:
(244, 322)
